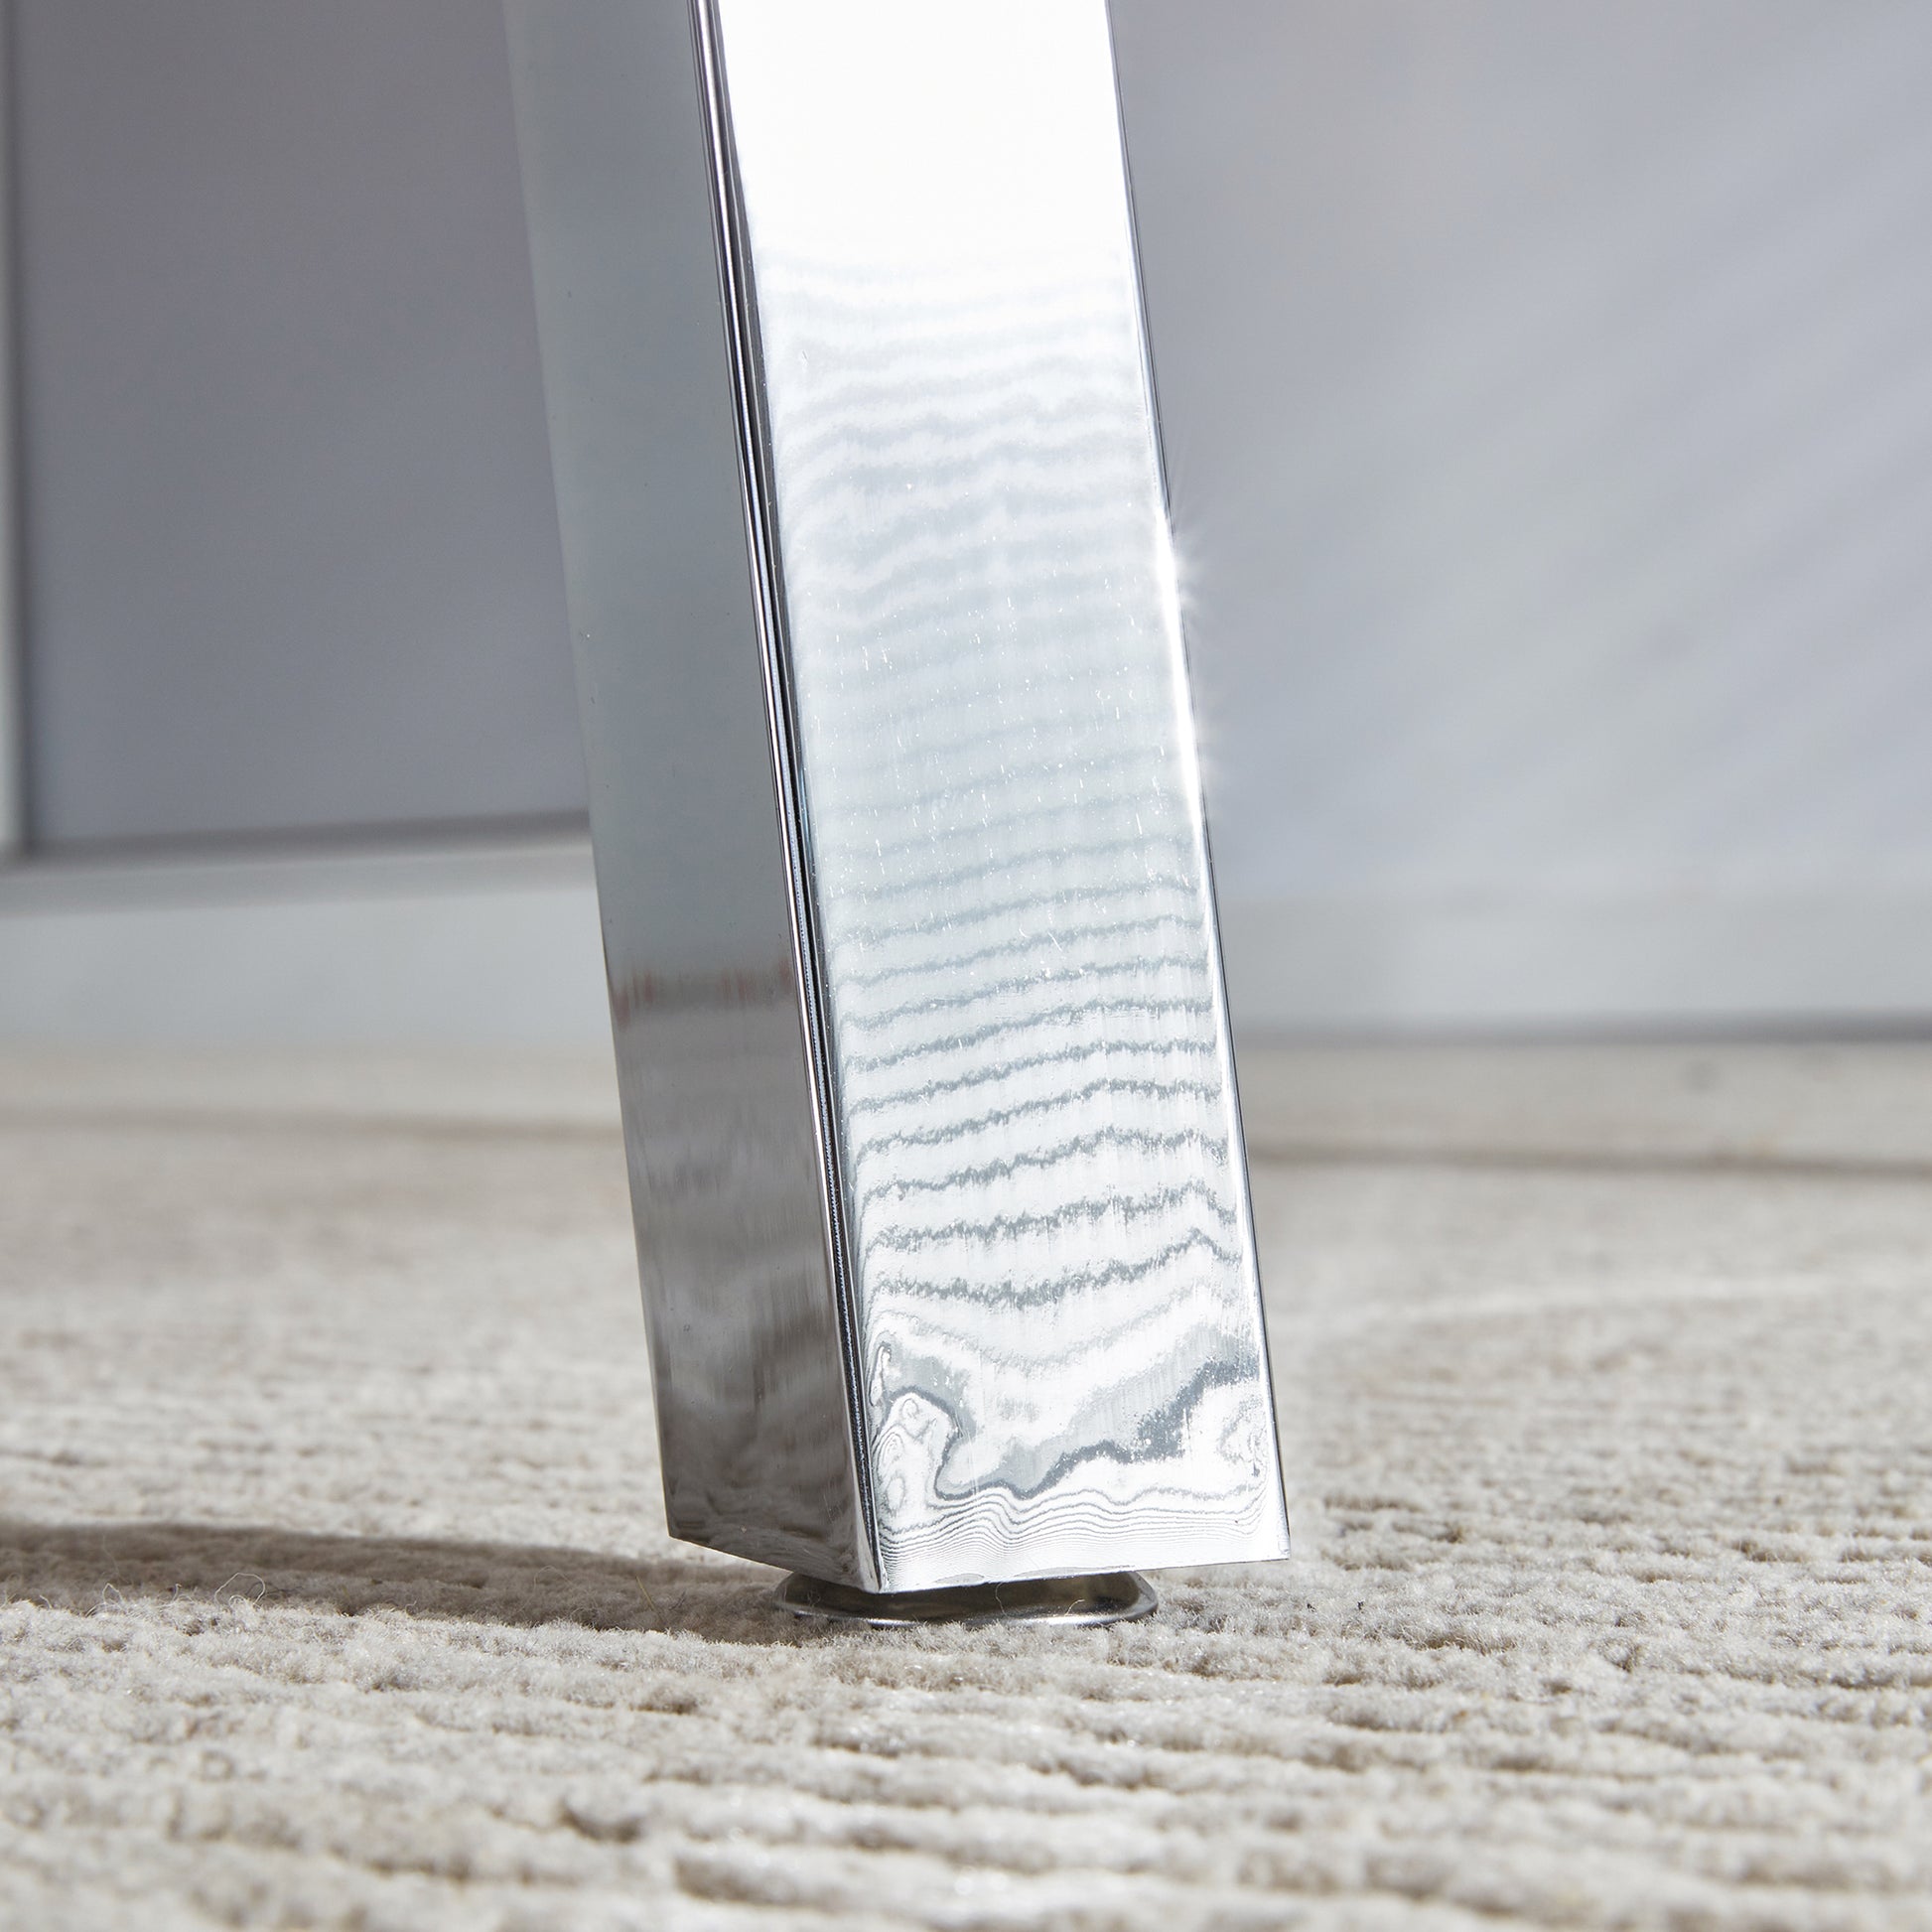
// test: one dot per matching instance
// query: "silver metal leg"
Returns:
(941, 1204)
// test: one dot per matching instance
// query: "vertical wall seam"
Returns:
(16, 818)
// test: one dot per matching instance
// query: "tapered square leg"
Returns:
(929, 1093)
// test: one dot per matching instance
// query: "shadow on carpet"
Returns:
(83, 1566)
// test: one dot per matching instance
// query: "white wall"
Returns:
(1548, 397)
(1549, 405)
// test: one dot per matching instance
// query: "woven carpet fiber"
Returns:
(333, 1589)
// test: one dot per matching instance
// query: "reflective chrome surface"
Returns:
(1116, 1598)
(947, 1251)
(1053, 1276)
(692, 879)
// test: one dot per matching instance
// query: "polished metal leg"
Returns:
(943, 1216)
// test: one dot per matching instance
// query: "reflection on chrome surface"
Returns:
(948, 1258)
(747, 1351)
(750, 1402)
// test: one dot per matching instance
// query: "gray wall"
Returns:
(1549, 401)
(1548, 396)
(291, 558)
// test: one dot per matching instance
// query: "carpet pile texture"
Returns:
(333, 1589)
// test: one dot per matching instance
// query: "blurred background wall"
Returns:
(1548, 399)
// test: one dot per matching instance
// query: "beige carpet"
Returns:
(333, 1591)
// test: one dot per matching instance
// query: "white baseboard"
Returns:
(498, 946)
(481, 947)
(1633, 964)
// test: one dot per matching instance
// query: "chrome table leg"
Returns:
(949, 1272)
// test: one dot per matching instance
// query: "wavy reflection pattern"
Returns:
(1055, 1298)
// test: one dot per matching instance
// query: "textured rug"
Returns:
(333, 1589)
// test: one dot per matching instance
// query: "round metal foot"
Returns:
(1113, 1599)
